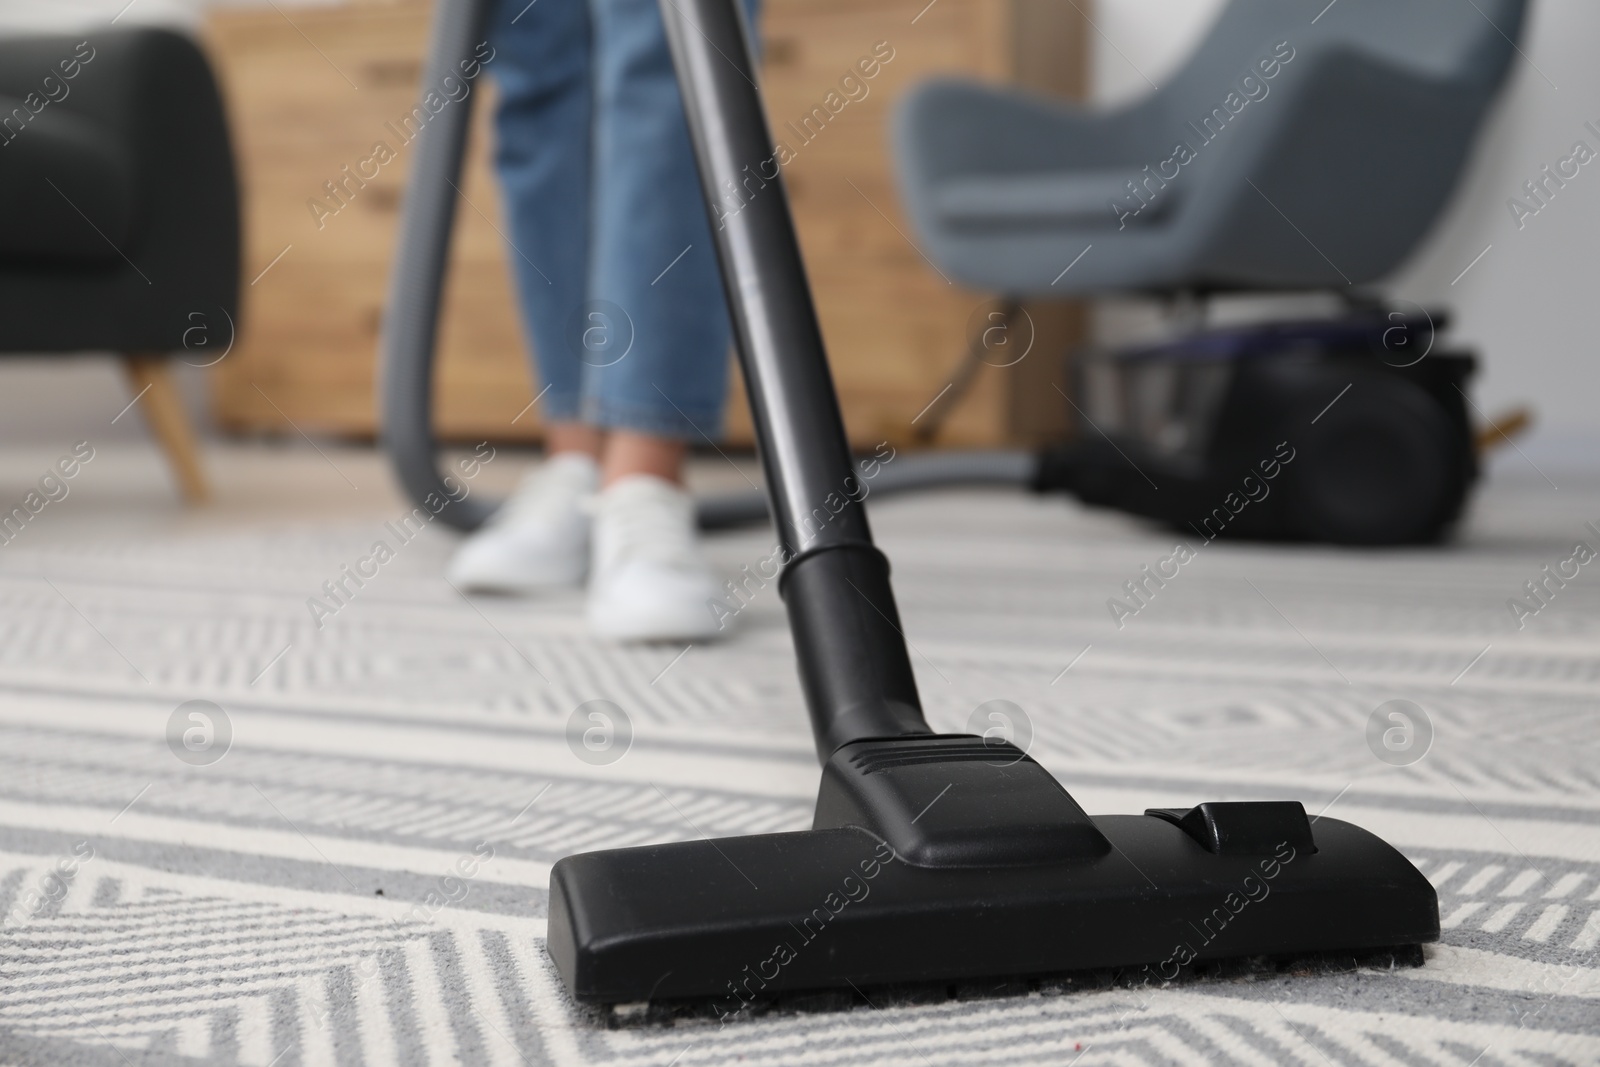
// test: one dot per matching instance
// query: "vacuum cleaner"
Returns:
(1383, 449)
(1369, 442)
(933, 858)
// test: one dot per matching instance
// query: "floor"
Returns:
(345, 857)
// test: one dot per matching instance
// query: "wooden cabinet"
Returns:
(312, 96)
(308, 99)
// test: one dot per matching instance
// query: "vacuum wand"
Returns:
(852, 654)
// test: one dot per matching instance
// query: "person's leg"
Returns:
(652, 261)
(629, 452)
(573, 436)
(657, 378)
(539, 538)
(543, 157)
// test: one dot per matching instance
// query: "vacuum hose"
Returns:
(411, 319)
(902, 474)
(411, 323)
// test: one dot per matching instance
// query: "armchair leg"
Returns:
(152, 381)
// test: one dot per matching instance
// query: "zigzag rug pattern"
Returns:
(362, 877)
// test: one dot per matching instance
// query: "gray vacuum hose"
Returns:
(902, 474)
(411, 319)
(411, 322)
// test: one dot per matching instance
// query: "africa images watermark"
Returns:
(52, 488)
(50, 890)
(339, 591)
(1142, 589)
(1541, 189)
(854, 87)
(853, 889)
(1539, 592)
(341, 189)
(1146, 190)
(741, 591)
(1252, 889)
(52, 90)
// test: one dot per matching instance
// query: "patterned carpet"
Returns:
(361, 877)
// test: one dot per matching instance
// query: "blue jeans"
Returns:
(612, 252)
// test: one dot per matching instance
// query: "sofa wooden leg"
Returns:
(157, 390)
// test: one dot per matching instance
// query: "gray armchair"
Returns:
(1293, 150)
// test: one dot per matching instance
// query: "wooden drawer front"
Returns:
(309, 340)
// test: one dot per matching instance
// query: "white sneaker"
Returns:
(539, 539)
(649, 581)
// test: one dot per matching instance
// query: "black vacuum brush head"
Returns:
(942, 858)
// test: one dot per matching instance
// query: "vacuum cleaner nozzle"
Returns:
(944, 858)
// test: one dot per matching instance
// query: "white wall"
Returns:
(1531, 306)
(49, 16)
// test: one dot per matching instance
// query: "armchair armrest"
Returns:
(53, 165)
(142, 225)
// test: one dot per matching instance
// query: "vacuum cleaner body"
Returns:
(1351, 431)
(1312, 430)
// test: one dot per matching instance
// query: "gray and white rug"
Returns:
(361, 876)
